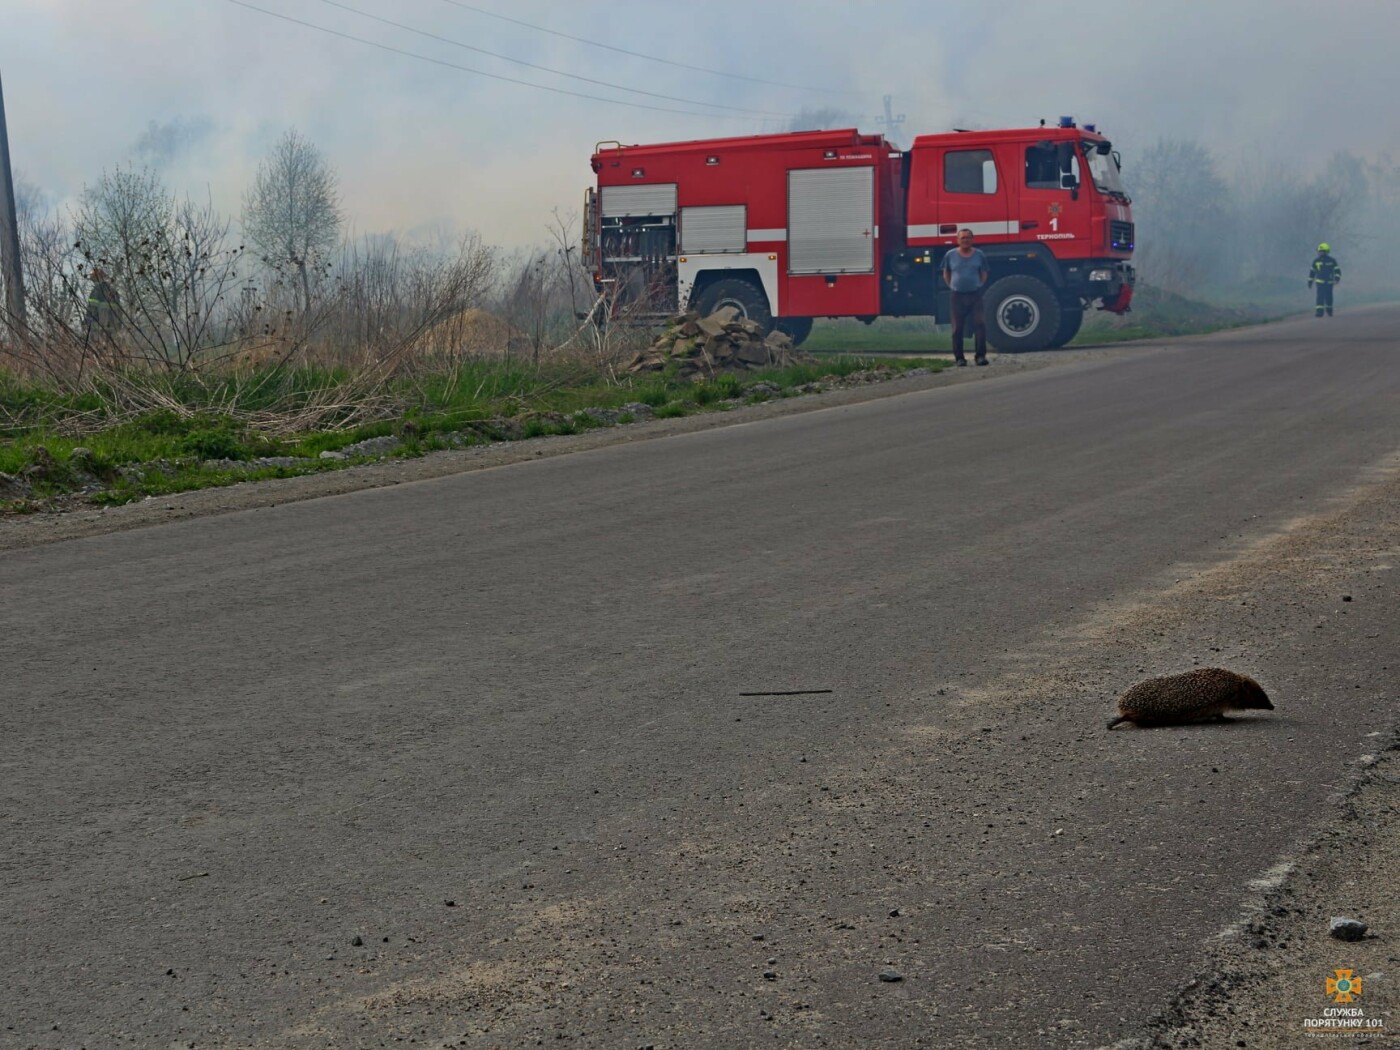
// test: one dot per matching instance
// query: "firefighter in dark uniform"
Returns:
(1324, 273)
(103, 304)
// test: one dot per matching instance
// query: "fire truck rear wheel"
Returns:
(1071, 317)
(749, 300)
(797, 328)
(1022, 313)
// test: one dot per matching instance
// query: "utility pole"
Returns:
(890, 121)
(9, 230)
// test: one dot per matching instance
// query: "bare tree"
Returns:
(52, 294)
(120, 216)
(1375, 263)
(119, 222)
(292, 210)
(169, 262)
(52, 263)
(1181, 204)
(1281, 217)
(176, 284)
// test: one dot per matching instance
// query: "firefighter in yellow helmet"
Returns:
(103, 304)
(1325, 274)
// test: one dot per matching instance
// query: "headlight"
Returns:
(1100, 275)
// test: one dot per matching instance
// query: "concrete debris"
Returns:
(719, 343)
(1345, 929)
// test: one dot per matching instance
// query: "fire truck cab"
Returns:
(787, 228)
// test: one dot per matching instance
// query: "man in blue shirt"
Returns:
(965, 272)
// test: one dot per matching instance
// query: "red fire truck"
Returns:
(787, 228)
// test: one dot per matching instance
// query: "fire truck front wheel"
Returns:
(742, 295)
(1071, 317)
(1022, 313)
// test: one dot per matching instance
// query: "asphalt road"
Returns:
(494, 726)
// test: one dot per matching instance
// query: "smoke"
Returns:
(1207, 229)
(417, 142)
(161, 145)
(823, 119)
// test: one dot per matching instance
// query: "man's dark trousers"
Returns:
(1324, 298)
(968, 305)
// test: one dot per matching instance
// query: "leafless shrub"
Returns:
(388, 310)
(549, 295)
(182, 310)
(190, 310)
(171, 266)
(387, 296)
(53, 298)
(1280, 216)
(1181, 205)
(534, 298)
(1255, 231)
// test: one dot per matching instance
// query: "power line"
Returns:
(638, 54)
(468, 69)
(547, 69)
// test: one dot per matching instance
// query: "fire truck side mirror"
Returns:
(1069, 182)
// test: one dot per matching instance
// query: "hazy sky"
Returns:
(201, 88)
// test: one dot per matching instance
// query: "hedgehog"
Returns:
(1195, 696)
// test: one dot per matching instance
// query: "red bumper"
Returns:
(1120, 303)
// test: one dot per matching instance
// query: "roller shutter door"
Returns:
(627, 201)
(831, 220)
(714, 229)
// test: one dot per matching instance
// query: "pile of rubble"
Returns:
(718, 343)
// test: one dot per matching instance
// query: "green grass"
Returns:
(187, 478)
(224, 418)
(906, 335)
(1157, 314)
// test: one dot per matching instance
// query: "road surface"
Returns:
(684, 742)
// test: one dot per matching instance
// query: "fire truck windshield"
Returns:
(1103, 168)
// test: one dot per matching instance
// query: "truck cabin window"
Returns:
(1046, 167)
(969, 171)
(1103, 169)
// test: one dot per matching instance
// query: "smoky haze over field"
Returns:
(1252, 118)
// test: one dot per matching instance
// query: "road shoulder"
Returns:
(1265, 983)
(80, 520)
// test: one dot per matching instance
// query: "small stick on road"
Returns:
(790, 692)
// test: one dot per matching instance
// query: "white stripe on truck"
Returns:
(990, 229)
